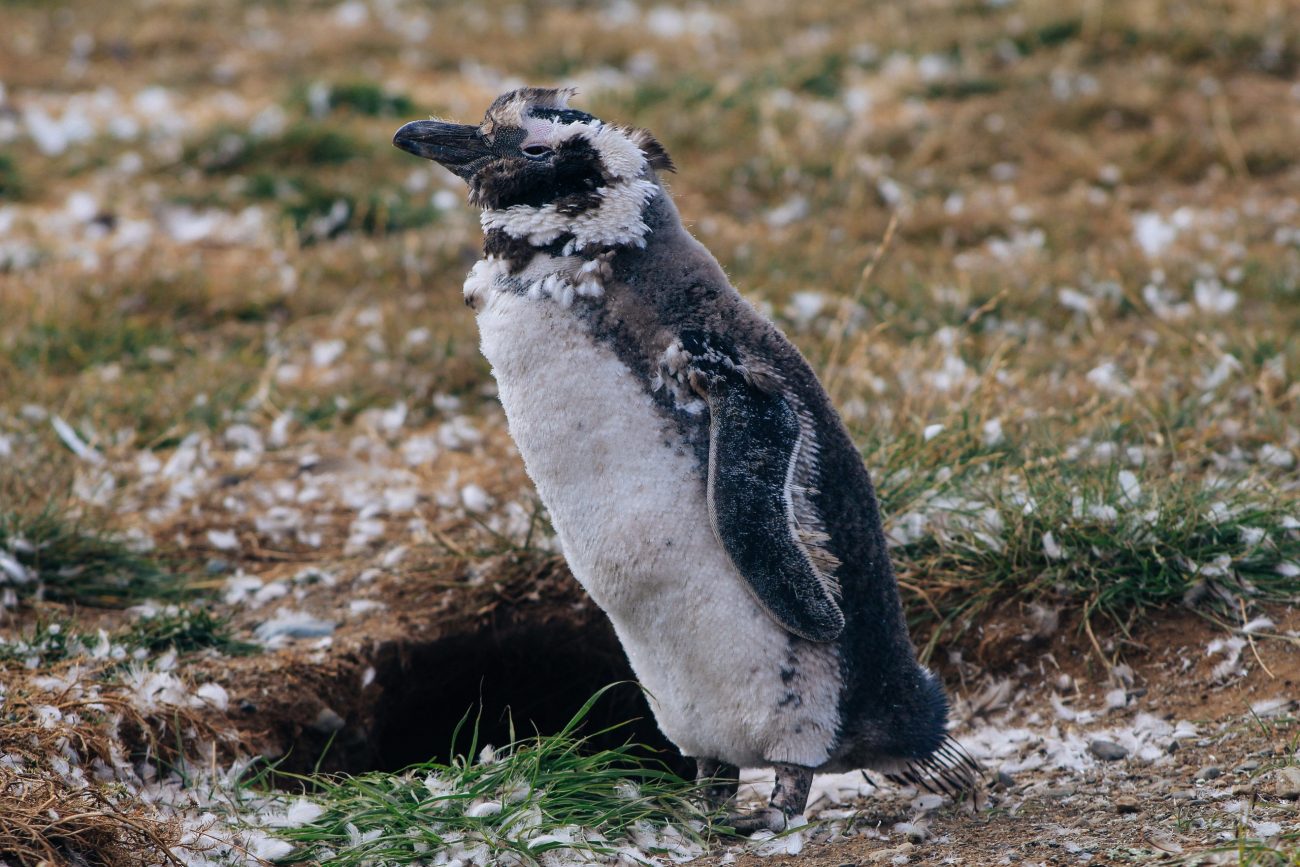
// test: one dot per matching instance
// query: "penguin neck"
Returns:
(663, 223)
(672, 272)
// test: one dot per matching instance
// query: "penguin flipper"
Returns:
(754, 441)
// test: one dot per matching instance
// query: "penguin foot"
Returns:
(766, 819)
(718, 780)
(790, 794)
(789, 797)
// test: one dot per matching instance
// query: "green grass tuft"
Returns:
(1049, 35)
(303, 144)
(50, 640)
(369, 99)
(175, 629)
(185, 630)
(72, 562)
(1249, 851)
(11, 181)
(69, 347)
(545, 794)
(962, 88)
(322, 211)
(313, 210)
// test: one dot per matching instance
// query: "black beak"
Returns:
(458, 147)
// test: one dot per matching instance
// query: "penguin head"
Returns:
(533, 156)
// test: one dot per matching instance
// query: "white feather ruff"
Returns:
(616, 221)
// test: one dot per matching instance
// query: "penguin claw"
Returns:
(765, 819)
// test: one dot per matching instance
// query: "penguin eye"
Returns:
(537, 151)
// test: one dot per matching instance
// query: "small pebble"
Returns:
(327, 722)
(1209, 772)
(216, 566)
(1107, 751)
(1286, 783)
(1003, 780)
(1246, 767)
(1165, 842)
(1126, 804)
(888, 856)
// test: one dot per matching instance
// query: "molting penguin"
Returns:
(703, 488)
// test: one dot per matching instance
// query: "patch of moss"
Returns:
(1054, 33)
(963, 88)
(11, 181)
(302, 144)
(367, 98)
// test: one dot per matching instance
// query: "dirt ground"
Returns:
(1204, 714)
(1127, 810)
(543, 648)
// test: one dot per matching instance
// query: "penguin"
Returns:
(704, 491)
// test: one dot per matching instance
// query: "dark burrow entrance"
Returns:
(525, 647)
(530, 653)
(536, 675)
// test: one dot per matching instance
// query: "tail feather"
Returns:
(949, 770)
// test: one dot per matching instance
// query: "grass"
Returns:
(54, 347)
(68, 561)
(1145, 448)
(48, 642)
(314, 172)
(302, 144)
(177, 629)
(1250, 851)
(321, 213)
(539, 796)
(880, 116)
(185, 629)
(366, 98)
(1099, 536)
(11, 180)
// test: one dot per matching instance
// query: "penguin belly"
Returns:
(628, 503)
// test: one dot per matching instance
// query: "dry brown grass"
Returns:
(72, 743)
(1016, 149)
(44, 823)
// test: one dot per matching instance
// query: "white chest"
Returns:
(604, 461)
(630, 510)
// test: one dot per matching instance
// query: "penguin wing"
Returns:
(755, 438)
